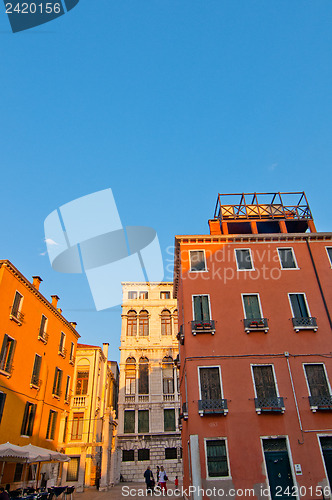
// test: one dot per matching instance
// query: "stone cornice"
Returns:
(15, 272)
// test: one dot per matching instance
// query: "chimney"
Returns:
(105, 349)
(36, 280)
(55, 299)
(73, 324)
(59, 310)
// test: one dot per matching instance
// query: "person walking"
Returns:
(162, 479)
(148, 476)
(157, 474)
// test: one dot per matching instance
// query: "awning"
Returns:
(13, 453)
(30, 453)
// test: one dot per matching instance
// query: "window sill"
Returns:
(55, 396)
(298, 328)
(218, 478)
(15, 319)
(34, 386)
(290, 269)
(6, 374)
(199, 271)
(277, 410)
(320, 408)
(25, 436)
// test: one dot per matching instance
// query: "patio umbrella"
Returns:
(13, 453)
(38, 454)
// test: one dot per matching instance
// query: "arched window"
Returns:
(166, 322)
(130, 373)
(143, 376)
(131, 323)
(143, 323)
(175, 320)
(168, 377)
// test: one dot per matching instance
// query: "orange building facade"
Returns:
(37, 359)
(254, 301)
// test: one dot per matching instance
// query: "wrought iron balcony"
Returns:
(260, 324)
(35, 382)
(267, 405)
(62, 351)
(180, 335)
(43, 336)
(72, 360)
(320, 403)
(203, 327)
(207, 406)
(17, 316)
(305, 324)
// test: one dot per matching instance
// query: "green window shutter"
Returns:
(264, 382)
(298, 305)
(216, 458)
(169, 420)
(143, 420)
(201, 308)
(129, 421)
(197, 308)
(205, 308)
(251, 306)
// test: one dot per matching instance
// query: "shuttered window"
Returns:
(201, 308)
(143, 420)
(57, 382)
(16, 307)
(36, 370)
(264, 381)
(77, 427)
(251, 306)
(210, 383)
(299, 305)
(28, 419)
(166, 322)
(317, 380)
(143, 321)
(216, 456)
(169, 420)
(129, 421)
(143, 376)
(51, 425)
(42, 328)
(131, 324)
(287, 259)
(243, 259)
(67, 388)
(82, 381)
(7, 354)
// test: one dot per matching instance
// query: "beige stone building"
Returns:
(88, 427)
(148, 432)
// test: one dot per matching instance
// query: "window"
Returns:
(329, 254)
(82, 382)
(73, 469)
(16, 307)
(77, 427)
(243, 259)
(129, 421)
(299, 305)
(287, 258)
(166, 322)
(18, 473)
(317, 380)
(175, 320)
(65, 429)
(132, 295)
(62, 343)
(143, 376)
(143, 454)
(170, 453)
(169, 420)
(143, 295)
(57, 382)
(130, 376)
(201, 308)
(143, 420)
(128, 456)
(71, 356)
(210, 387)
(168, 376)
(67, 388)
(42, 329)
(28, 419)
(51, 425)
(36, 370)
(7, 354)
(216, 458)
(165, 295)
(251, 306)
(2, 403)
(197, 260)
(143, 323)
(131, 324)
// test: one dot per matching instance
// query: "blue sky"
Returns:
(167, 102)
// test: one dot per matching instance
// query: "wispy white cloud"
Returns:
(43, 253)
(272, 167)
(49, 241)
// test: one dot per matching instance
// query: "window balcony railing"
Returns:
(305, 324)
(168, 397)
(203, 327)
(320, 403)
(35, 382)
(208, 406)
(256, 324)
(43, 336)
(72, 360)
(6, 368)
(129, 398)
(143, 398)
(62, 351)
(268, 405)
(180, 335)
(17, 316)
(79, 401)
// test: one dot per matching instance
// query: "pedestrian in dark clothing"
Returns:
(3, 494)
(157, 473)
(149, 480)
